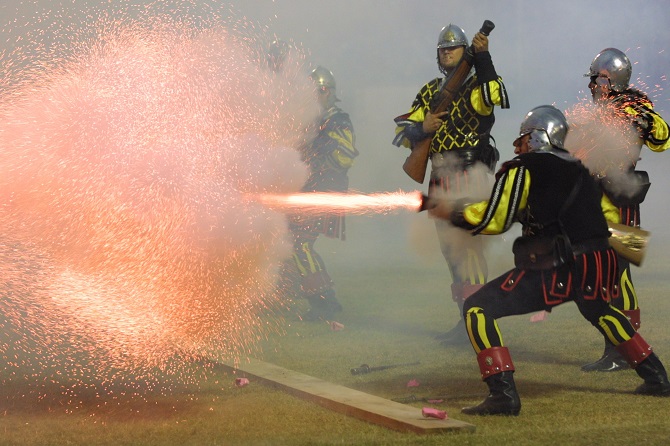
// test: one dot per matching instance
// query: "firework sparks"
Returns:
(352, 203)
(122, 172)
(607, 144)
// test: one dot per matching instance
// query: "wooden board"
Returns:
(342, 399)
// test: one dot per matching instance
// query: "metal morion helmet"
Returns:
(323, 78)
(450, 36)
(547, 127)
(615, 65)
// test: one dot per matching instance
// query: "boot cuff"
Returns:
(635, 350)
(494, 360)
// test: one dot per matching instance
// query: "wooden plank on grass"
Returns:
(348, 401)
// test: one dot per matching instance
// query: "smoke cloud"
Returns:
(138, 126)
(125, 159)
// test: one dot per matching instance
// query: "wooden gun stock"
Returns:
(417, 162)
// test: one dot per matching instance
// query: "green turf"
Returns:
(392, 311)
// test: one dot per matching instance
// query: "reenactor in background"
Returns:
(609, 76)
(329, 156)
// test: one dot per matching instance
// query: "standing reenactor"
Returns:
(609, 76)
(459, 138)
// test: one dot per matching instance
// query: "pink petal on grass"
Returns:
(413, 383)
(539, 317)
(241, 382)
(336, 326)
(429, 412)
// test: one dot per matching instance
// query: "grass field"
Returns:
(393, 309)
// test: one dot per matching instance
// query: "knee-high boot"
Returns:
(611, 360)
(457, 335)
(323, 306)
(497, 370)
(647, 365)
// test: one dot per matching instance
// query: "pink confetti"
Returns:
(539, 317)
(413, 383)
(429, 412)
(241, 382)
(336, 326)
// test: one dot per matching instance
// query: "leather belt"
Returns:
(596, 244)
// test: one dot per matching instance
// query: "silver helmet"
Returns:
(451, 35)
(614, 65)
(322, 77)
(325, 81)
(546, 126)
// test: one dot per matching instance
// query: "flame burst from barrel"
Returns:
(351, 203)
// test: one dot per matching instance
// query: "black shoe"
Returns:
(610, 361)
(655, 377)
(456, 337)
(653, 389)
(321, 314)
(457, 340)
(502, 399)
(322, 308)
(458, 329)
(313, 315)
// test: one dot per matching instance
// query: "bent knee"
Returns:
(472, 310)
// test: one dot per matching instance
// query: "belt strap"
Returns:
(596, 244)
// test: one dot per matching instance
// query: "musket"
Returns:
(364, 368)
(629, 242)
(416, 399)
(417, 161)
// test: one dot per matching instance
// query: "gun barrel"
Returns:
(364, 368)
(424, 203)
(487, 27)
